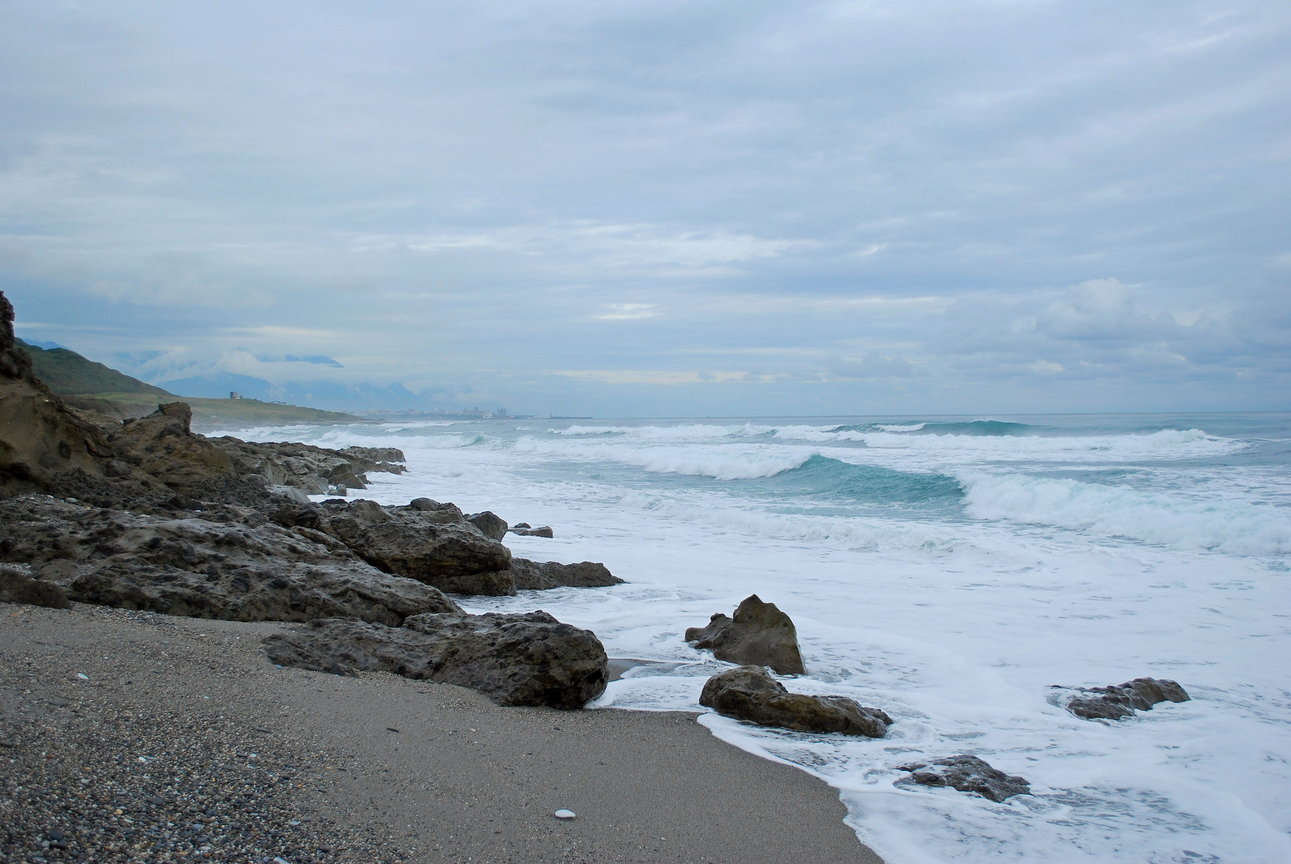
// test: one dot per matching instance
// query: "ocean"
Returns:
(947, 570)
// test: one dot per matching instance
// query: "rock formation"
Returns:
(968, 774)
(750, 693)
(1119, 701)
(529, 659)
(758, 635)
(200, 568)
(532, 575)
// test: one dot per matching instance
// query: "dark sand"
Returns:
(372, 768)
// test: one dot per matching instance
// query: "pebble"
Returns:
(74, 786)
(565, 814)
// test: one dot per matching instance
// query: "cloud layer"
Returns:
(661, 208)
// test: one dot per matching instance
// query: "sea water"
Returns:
(947, 571)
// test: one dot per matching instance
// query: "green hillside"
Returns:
(66, 373)
(86, 384)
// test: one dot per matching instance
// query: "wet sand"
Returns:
(370, 768)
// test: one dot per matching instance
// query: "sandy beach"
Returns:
(183, 742)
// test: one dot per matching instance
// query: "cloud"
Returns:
(951, 200)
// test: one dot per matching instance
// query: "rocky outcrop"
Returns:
(758, 635)
(490, 524)
(412, 541)
(199, 568)
(750, 693)
(967, 774)
(529, 659)
(532, 575)
(1119, 701)
(41, 439)
(312, 470)
(19, 587)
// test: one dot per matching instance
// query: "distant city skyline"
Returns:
(659, 209)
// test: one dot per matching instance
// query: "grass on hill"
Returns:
(86, 384)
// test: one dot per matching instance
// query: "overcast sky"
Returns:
(662, 208)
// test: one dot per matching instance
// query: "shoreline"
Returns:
(461, 778)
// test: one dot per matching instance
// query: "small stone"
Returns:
(82, 676)
(565, 814)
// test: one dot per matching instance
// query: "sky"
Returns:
(659, 209)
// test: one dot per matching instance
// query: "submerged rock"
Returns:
(750, 693)
(524, 529)
(968, 774)
(758, 635)
(534, 575)
(514, 659)
(1119, 701)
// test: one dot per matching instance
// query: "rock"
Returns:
(750, 693)
(200, 568)
(433, 511)
(758, 635)
(532, 575)
(17, 587)
(704, 637)
(524, 530)
(968, 774)
(490, 524)
(413, 542)
(564, 814)
(375, 454)
(514, 659)
(1119, 701)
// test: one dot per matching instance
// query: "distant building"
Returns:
(233, 394)
(502, 413)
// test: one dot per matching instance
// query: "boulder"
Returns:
(430, 510)
(195, 567)
(412, 542)
(532, 575)
(758, 635)
(968, 774)
(18, 587)
(750, 693)
(490, 524)
(514, 659)
(1119, 701)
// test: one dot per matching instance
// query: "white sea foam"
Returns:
(1237, 527)
(953, 620)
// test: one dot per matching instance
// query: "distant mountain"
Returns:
(68, 373)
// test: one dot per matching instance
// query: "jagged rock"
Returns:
(18, 587)
(490, 524)
(207, 569)
(523, 530)
(529, 659)
(758, 635)
(968, 774)
(411, 541)
(313, 470)
(375, 454)
(532, 575)
(41, 439)
(1120, 701)
(164, 446)
(750, 693)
